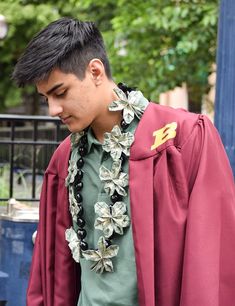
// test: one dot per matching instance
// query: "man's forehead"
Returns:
(55, 79)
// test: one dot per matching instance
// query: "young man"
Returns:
(137, 206)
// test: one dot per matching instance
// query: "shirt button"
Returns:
(105, 156)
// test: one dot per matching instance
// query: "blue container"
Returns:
(3, 287)
(16, 249)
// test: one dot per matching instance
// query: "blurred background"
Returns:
(154, 45)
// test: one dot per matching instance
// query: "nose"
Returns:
(54, 108)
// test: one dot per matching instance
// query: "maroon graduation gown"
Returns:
(183, 217)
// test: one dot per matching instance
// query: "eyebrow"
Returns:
(50, 91)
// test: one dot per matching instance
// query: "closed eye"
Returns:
(60, 95)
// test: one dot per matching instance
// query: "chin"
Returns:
(75, 129)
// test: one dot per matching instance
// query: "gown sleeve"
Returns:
(208, 276)
(194, 220)
(34, 292)
(54, 277)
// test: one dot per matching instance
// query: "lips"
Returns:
(65, 119)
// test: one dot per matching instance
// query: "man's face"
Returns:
(76, 102)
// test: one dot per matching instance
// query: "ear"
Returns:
(96, 70)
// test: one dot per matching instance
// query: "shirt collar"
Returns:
(91, 140)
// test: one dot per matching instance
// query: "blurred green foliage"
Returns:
(154, 44)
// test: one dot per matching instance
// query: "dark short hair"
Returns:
(67, 44)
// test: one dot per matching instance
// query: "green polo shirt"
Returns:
(118, 288)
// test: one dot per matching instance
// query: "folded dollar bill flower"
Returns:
(111, 218)
(74, 208)
(113, 179)
(72, 172)
(134, 104)
(75, 137)
(117, 143)
(74, 243)
(102, 256)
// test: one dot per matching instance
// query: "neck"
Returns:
(107, 119)
(111, 119)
